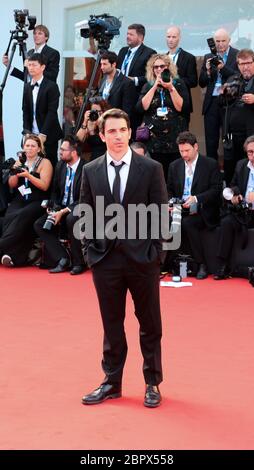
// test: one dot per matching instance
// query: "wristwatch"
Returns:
(83, 127)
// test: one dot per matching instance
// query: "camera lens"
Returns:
(94, 115)
(165, 75)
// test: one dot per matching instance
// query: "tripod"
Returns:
(19, 37)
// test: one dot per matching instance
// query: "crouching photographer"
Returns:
(59, 220)
(237, 98)
(196, 180)
(29, 178)
(240, 214)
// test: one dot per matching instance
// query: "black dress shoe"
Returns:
(152, 396)
(221, 273)
(63, 265)
(78, 269)
(102, 393)
(202, 272)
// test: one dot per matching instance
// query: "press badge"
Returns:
(24, 191)
(163, 111)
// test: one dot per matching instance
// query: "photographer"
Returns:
(240, 217)
(215, 71)
(30, 184)
(196, 180)
(238, 96)
(65, 195)
(51, 56)
(165, 104)
(89, 130)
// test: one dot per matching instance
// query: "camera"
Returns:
(242, 204)
(94, 115)
(52, 208)
(216, 59)
(22, 158)
(166, 75)
(175, 200)
(233, 90)
(20, 17)
(102, 28)
(193, 209)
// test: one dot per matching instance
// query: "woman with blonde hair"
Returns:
(29, 182)
(164, 100)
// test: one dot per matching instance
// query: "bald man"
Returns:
(185, 62)
(213, 77)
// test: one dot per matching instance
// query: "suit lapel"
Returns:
(101, 180)
(137, 54)
(181, 176)
(116, 84)
(134, 177)
(246, 172)
(40, 92)
(197, 173)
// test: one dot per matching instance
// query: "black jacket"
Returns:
(46, 110)
(229, 69)
(59, 183)
(122, 93)
(206, 186)
(138, 63)
(187, 71)
(145, 185)
(52, 58)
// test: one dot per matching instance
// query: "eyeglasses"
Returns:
(250, 152)
(245, 63)
(162, 66)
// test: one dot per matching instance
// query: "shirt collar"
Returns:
(39, 49)
(74, 166)
(37, 81)
(250, 166)
(193, 164)
(134, 49)
(126, 158)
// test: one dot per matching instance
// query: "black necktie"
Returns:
(117, 182)
(35, 84)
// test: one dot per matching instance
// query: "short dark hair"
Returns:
(74, 143)
(37, 58)
(186, 137)
(113, 113)
(244, 54)
(248, 141)
(139, 28)
(110, 56)
(138, 145)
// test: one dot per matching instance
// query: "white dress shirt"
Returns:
(124, 172)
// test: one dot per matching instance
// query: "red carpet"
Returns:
(50, 352)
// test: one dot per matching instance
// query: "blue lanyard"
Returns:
(162, 98)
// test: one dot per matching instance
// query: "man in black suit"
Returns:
(40, 104)
(197, 181)
(132, 59)
(118, 264)
(185, 62)
(237, 222)
(213, 77)
(64, 198)
(51, 56)
(118, 90)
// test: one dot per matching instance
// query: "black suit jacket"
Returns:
(145, 185)
(229, 69)
(52, 57)
(138, 63)
(206, 186)
(187, 71)
(59, 183)
(46, 110)
(241, 176)
(122, 94)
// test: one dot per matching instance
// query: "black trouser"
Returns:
(213, 125)
(51, 151)
(113, 276)
(191, 226)
(17, 230)
(51, 239)
(231, 226)
(231, 157)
